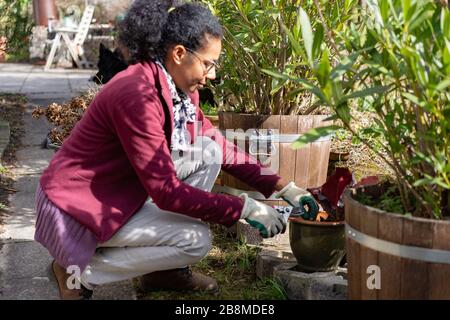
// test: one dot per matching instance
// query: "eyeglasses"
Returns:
(206, 63)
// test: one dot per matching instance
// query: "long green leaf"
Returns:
(444, 85)
(323, 69)
(277, 74)
(307, 35)
(365, 92)
(318, 39)
(445, 22)
(313, 135)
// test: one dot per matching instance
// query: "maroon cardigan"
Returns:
(118, 154)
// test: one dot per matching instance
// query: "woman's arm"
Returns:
(280, 184)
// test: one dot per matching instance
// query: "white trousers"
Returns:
(154, 239)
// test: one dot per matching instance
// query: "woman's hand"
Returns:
(266, 219)
(298, 197)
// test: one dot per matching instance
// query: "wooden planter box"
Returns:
(306, 166)
(412, 254)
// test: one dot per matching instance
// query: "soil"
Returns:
(12, 109)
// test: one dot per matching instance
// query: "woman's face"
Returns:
(190, 69)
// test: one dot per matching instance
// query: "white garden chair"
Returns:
(75, 45)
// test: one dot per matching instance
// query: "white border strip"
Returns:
(399, 250)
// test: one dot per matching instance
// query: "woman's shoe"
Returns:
(61, 276)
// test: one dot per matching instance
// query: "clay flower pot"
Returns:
(317, 246)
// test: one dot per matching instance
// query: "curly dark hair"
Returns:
(150, 27)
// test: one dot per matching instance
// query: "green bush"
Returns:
(16, 24)
(256, 39)
(394, 61)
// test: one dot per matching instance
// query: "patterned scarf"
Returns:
(183, 112)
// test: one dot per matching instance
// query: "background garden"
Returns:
(358, 85)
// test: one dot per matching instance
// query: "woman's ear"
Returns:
(178, 54)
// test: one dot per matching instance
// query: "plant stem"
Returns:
(325, 27)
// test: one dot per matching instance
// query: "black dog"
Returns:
(112, 62)
(109, 64)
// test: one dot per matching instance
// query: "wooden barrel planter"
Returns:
(412, 254)
(213, 119)
(306, 166)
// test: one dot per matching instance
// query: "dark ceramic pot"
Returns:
(317, 246)
(50, 145)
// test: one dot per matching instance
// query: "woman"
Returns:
(128, 193)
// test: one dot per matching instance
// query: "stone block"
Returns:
(311, 286)
(268, 259)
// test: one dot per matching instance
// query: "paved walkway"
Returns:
(23, 262)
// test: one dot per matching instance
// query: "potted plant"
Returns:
(394, 60)
(256, 43)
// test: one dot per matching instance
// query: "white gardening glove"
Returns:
(299, 198)
(262, 217)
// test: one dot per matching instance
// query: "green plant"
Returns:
(15, 26)
(255, 40)
(208, 109)
(3, 207)
(394, 61)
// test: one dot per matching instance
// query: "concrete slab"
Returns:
(80, 75)
(16, 67)
(20, 219)
(123, 290)
(32, 160)
(24, 272)
(80, 85)
(39, 288)
(40, 69)
(42, 83)
(53, 86)
(12, 82)
(12, 78)
(40, 126)
(46, 76)
(23, 260)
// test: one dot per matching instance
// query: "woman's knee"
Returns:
(212, 152)
(199, 242)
